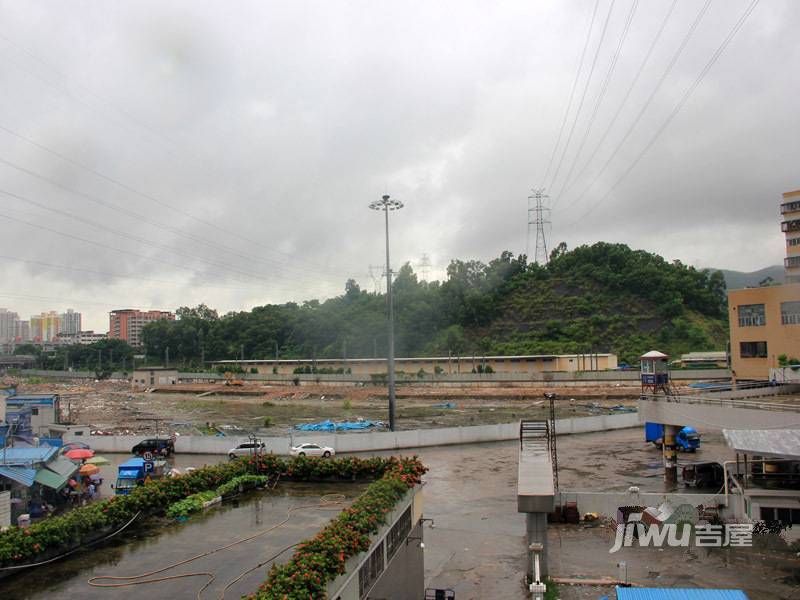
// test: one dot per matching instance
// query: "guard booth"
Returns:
(655, 373)
(655, 381)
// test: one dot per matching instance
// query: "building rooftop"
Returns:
(24, 456)
(779, 443)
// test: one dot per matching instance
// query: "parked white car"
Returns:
(247, 449)
(312, 450)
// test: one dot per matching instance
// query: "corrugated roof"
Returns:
(780, 443)
(63, 466)
(50, 479)
(22, 475)
(629, 593)
(21, 456)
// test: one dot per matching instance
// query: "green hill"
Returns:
(736, 280)
(601, 298)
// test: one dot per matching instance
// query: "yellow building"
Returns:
(765, 321)
(764, 324)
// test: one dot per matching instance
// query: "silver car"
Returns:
(247, 449)
(312, 450)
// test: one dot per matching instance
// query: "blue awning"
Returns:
(21, 475)
(629, 593)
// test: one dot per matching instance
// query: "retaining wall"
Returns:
(365, 442)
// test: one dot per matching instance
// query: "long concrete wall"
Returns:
(367, 442)
(477, 379)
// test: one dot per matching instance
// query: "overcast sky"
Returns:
(170, 153)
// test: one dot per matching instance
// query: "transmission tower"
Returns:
(376, 274)
(425, 266)
(538, 217)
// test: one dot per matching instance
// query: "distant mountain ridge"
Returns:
(735, 280)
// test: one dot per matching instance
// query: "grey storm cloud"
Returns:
(163, 154)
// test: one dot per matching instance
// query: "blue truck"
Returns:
(135, 471)
(687, 439)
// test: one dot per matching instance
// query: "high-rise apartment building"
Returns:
(8, 325)
(127, 324)
(45, 327)
(790, 210)
(70, 322)
(22, 331)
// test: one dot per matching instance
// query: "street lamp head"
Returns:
(386, 203)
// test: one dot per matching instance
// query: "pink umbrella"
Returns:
(80, 453)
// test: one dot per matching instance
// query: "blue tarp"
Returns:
(709, 385)
(341, 426)
(444, 405)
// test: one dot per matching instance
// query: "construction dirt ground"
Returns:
(193, 409)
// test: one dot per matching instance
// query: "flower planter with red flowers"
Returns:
(55, 536)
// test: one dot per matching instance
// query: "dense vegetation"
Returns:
(600, 298)
(102, 357)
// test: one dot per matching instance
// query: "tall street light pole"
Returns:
(387, 204)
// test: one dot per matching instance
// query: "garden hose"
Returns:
(117, 581)
(73, 551)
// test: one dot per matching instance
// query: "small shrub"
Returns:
(267, 422)
(347, 405)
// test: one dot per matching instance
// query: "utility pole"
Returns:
(538, 217)
(376, 273)
(166, 358)
(387, 204)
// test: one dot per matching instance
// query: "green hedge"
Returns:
(61, 532)
(321, 559)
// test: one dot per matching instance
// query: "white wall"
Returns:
(366, 442)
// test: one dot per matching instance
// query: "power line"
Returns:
(601, 96)
(104, 246)
(140, 217)
(151, 198)
(110, 274)
(141, 240)
(583, 95)
(662, 79)
(165, 142)
(622, 104)
(571, 93)
(680, 103)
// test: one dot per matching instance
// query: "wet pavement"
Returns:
(155, 546)
(477, 546)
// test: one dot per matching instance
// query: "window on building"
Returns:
(793, 242)
(370, 571)
(791, 262)
(790, 313)
(34, 411)
(753, 349)
(790, 206)
(785, 515)
(398, 533)
(793, 225)
(751, 315)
